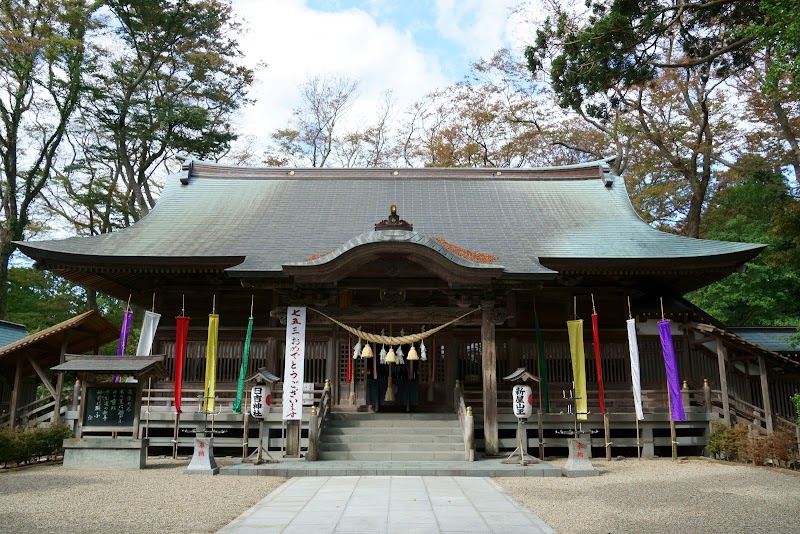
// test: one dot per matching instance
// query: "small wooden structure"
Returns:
(31, 355)
(108, 408)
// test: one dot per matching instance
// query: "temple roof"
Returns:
(255, 221)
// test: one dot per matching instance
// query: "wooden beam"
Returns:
(722, 357)
(767, 405)
(43, 377)
(12, 416)
(60, 382)
(491, 442)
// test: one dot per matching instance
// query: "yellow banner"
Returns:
(575, 330)
(210, 389)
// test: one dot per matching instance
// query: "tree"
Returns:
(169, 84)
(42, 66)
(747, 209)
(39, 299)
(497, 117)
(608, 69)
(313, 133)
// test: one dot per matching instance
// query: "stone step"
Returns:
(392, 430)
(407, 456)
(391, 447)
(404, 423)
(411, 439)
(395, 416)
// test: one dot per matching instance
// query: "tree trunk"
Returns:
(91, 299)
(5, 255)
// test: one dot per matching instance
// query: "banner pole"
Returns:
(175, 433)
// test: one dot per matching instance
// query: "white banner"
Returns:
(637, 383)
(294, 362)
(149, 327)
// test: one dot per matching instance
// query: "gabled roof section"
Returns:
(11, 332)
(83, 333)
(256, 220)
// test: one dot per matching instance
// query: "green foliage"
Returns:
(780, 33)
(796, 401)
(39, 299)
(620, 44)
(24, 446)
(768, 293)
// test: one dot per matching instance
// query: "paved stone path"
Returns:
(388, 504)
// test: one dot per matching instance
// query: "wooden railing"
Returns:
(467, 423)
(316, 422)
(36, 412)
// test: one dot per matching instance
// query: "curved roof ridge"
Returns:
(399, 236)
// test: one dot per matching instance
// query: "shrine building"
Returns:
(401, 251)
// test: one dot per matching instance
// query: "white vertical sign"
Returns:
(293, 363)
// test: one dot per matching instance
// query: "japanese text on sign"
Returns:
(110, 406)
(294, 363)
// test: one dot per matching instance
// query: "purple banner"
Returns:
(124, 332)
(673, 381)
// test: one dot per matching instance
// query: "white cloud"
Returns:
(480, 26)
(295, 42)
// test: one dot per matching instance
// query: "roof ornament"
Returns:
(394, 222)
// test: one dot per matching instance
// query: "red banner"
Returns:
(596, 337)
(181, 330)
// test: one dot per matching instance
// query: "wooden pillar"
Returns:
(489, 358)
(722, 358)
(515, 355)
(767, 405)
(60, 383)
(331, 368)
(12, 415)
(450, 368)
(293, 429)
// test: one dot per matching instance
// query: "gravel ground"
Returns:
(630, 496)
(655, 496)
(51, 499)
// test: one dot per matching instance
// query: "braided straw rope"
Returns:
(394, 340)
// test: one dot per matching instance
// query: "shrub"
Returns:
(22, 446)
(778, 448)
(796, 400)
(724, 441)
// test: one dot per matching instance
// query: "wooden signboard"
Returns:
(110, 407)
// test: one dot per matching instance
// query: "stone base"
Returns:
(105, 453)
(580, 454)
(203, 462)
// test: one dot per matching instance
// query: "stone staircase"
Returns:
(392, 436)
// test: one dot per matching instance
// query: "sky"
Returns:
(410, 47)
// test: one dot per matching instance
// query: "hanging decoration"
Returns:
(181, 331)
(575, 330)
(210, 388)
(389, 340)
(237, 405)
(635, 374)
(348, 377)
(400, 354)
(125, 329)
(542, 360)
(671, 366)
(149, 327)
(597, 364)
(294, 366)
